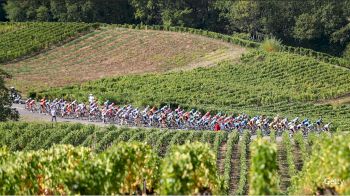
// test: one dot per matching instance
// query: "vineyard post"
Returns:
(144, 187)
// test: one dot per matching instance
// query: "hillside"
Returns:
(267, 83)
(111, 51)
(296, 82)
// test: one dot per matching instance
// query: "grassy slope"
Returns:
(270, 83)
(114, 51)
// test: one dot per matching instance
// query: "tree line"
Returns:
(317, 24)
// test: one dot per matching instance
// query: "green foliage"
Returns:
(302, 23)
(271, 45)
(287, 145)
(152, 138)
(259, 133)
(107, 11)
(178, 139)
(44, 172)
(129, 166)
(6, 112)
(147, 11)
(193, 172)
(273, 136)
(25, 38)
(163, 142)
(108, 139)
(307, 26)
(232, 140)
(257, 85)
(263, 170)
(123, 168)
(69, 170)
(316, 24)
(328, 169)
(346, 53)
(219, 139)
(243, 175)
(312, 137)
(299, 140)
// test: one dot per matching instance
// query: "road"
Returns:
(36, 117)
(30, 116)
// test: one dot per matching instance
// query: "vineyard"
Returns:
(23, 39)
(264, 83)
(110, 51)
(161, 66)
(99, 162)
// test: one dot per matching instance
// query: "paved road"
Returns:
(29, 116)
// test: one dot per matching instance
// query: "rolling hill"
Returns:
(111, 51)
(112, 60)
(151, 67)
(263, 83)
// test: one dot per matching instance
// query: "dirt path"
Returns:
(282, 168)
(221, 158)
(246, 187)
(298, 157)
(235, 169)
(335, 101)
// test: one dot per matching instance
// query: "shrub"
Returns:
(271, 45)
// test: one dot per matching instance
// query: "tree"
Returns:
(2, 11)
(197, 14)
(307, 27)
(6, 112)
(14, 12)
(43, 14)
(346, 52)
(112, 11)
(147, 11)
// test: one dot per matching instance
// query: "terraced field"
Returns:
(112, 51)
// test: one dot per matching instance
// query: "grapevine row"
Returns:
(32, 37)
(244, 145)
(287, 145)
(232, 140)
(263, 174)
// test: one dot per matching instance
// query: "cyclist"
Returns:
(42, 105)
